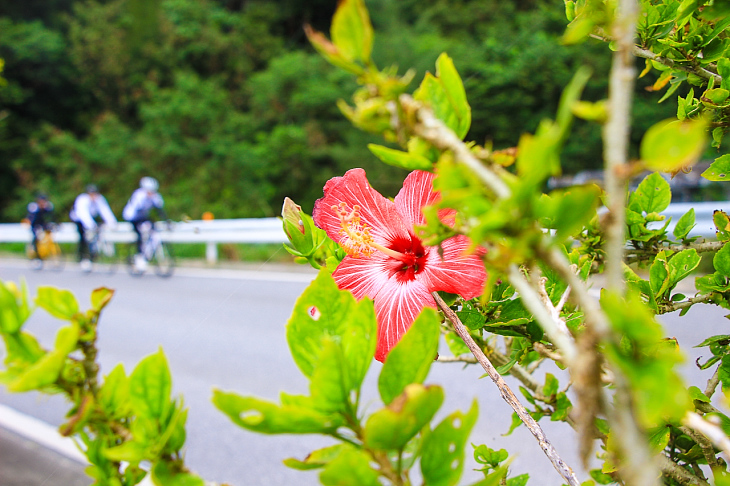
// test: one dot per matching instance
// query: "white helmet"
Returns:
(149, 184)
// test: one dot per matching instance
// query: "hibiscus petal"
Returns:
(377, 212)
(362, 276)
(396, 307)
(417, 192)
(458, 272)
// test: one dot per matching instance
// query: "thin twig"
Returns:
(709, 430)
(698, 70)
(675, 471)
(439, 135)
(675, 306)
(532, 302)
(563, 469)
(712, 383)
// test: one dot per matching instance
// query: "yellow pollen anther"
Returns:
(356, 240)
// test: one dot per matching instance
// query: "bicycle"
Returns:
(49, 254)
(102, 252)
(155, 252)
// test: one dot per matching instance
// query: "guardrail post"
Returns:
(211, 252)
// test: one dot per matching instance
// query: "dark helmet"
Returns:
(92, 189)
(41, 195)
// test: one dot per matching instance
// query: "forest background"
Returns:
(227, 104)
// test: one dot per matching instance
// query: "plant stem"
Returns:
(563, 469)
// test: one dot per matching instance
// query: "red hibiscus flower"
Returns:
(385, 260)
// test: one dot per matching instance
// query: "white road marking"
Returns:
(45, 435)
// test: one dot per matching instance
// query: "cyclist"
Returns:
(40, 217)
(87, 207)
(138, 208)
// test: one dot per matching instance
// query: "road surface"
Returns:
(226, 329)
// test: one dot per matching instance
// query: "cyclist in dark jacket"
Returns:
(40, 217)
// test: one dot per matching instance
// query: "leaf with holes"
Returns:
(442, 452)
(410, 360)
(653, 194)
(323, 312)
(719, 170)
(392, 427)
(722, 225)
(269, 418)
(682, 264)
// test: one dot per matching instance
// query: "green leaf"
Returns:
(42, 373)
(647, 359)
(398, 158)
(724, 373)
(268, 418)
(410, 360)
(454, 89)
(653, 194)
(671, 144)
(551, 385)
(352, 31)
(350, 468)
(659, 275)
(442, 451)
(325, 312)
(721, 260)
(722, 224)
(48, 368)
(682, 264)
(131, 451)
(316, 459)
(446, 96)
(697, 394)
(150, 385)
(719, 169)
(576, 207)
(659, 438)
(114, 393)
(520, 480)
(684, 225)
(716, 95)
(100, 298)
(59, 303)
(393, 426)
(163, 474)
(328, 386)
(10, 315)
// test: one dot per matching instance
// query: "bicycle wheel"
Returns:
(54, 260)
(163, 260)
(132, 268)
(106, 258)
(33, 260)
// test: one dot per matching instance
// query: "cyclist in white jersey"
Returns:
(138, 208)
(87, 207)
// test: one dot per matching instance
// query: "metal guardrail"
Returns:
(269, 230)
(254, 230)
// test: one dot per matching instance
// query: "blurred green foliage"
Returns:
(229, 107)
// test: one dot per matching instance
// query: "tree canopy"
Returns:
(230, 108)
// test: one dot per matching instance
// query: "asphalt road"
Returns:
(226, 329)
